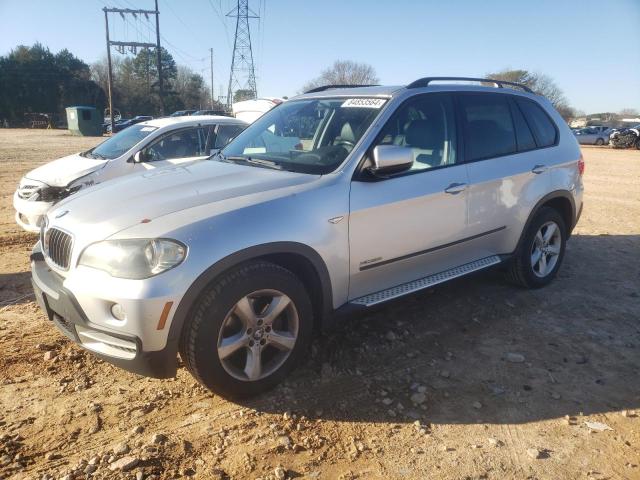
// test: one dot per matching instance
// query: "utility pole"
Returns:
(242, 76)
(159, 53)
(133, 48)
(109, 75)
(212, 100)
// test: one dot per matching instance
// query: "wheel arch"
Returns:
(300, 259)
(561, 201)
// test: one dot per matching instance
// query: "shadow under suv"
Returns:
(338, 199)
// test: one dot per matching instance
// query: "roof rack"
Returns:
(327, 87)
(424, 82)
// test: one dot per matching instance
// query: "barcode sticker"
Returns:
(364, 103)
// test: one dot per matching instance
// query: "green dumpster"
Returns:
(84, 121)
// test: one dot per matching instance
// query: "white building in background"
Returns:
(250, 110)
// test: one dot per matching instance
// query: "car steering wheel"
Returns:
(345, 143)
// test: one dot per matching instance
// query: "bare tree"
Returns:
(344, 72)
(191, 88)
(541, 84)
(629, 112)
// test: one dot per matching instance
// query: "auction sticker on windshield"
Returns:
(364, 102)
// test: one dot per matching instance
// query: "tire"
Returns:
(599, 142)
(521, 270)
(229, 313)
(638, 144)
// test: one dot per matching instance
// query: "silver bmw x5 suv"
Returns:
(336, 200)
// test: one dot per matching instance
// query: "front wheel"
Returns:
(541, 251)
(248, 330)
(600, 142)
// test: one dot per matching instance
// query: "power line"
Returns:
(224, 23)
(190, 29)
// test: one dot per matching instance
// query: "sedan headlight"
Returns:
(134, 258)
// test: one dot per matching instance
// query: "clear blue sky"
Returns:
(590, 47)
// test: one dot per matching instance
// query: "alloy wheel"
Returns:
(545, 250)
(258, 335)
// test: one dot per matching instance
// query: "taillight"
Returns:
(581, 165)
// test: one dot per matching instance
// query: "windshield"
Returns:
(306, 136)
(120, 142)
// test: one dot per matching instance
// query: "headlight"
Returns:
(134, 258)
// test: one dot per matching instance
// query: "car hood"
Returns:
(107, 208)
(63, 171)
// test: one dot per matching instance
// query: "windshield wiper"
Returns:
(250, 161)
(264, 163)
(90, 154)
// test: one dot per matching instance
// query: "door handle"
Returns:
(538, 169)
(455, 188)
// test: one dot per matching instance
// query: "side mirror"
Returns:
(140, 157)
(389, 159)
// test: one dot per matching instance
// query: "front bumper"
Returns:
(122, 350)
(29, 214)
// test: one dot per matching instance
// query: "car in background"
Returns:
(141, 147)
(251, 110)
(122, 124)
(593, 135)
(212, 112)
(182, 113)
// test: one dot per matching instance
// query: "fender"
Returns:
(198, 286)
(550, 196)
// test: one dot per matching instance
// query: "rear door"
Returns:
(224, 135)
(508, 171)
(408, 226)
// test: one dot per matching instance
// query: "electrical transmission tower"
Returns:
(243, 76)
(133, 48)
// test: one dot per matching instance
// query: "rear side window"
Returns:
(524, 136)
(543, 129)
(489, 130)
(226, 133)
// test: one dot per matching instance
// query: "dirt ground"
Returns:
(431, 386)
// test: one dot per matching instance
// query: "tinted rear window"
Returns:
(489, 128)
(539, 121)
(523, 133)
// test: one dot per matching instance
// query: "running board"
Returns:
(426, 282)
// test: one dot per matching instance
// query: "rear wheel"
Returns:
(600, 142)
(248, 330)
(541, 252)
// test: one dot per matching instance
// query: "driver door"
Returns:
(410, 225)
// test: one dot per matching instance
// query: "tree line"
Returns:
(136, 86)
(32, 79)
(35, 80)
(347, 72)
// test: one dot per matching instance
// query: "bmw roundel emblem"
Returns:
(62, 213)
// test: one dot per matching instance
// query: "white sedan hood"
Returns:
(105, 209)
(63, 171)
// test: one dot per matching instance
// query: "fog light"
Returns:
(117, 311)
